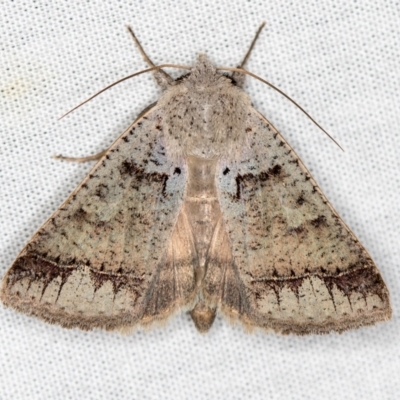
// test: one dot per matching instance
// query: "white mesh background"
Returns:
(339, 59)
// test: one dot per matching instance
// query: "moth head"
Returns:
(204, 73)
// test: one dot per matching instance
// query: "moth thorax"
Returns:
(216, 131)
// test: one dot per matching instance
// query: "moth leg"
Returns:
(237, 76)
(82, 159)
(161, 77)
(97, 156)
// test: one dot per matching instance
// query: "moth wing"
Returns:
(281, 258)
(119, 251)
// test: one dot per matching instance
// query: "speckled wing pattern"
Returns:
(118, 252)
(281, 258)
(200, 205)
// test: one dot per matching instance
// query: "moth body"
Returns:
(204, 113)
(200, 205)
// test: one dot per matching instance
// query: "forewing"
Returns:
(119, 251)
(284, 259)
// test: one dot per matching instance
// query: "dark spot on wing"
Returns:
(319, 221)
(250, 179)
(300, 200)
(80, 215)
(275, 171)
(296, 230)
(140, 176)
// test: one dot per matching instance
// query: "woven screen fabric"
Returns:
(338, 59)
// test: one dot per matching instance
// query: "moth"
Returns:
(201, 205)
